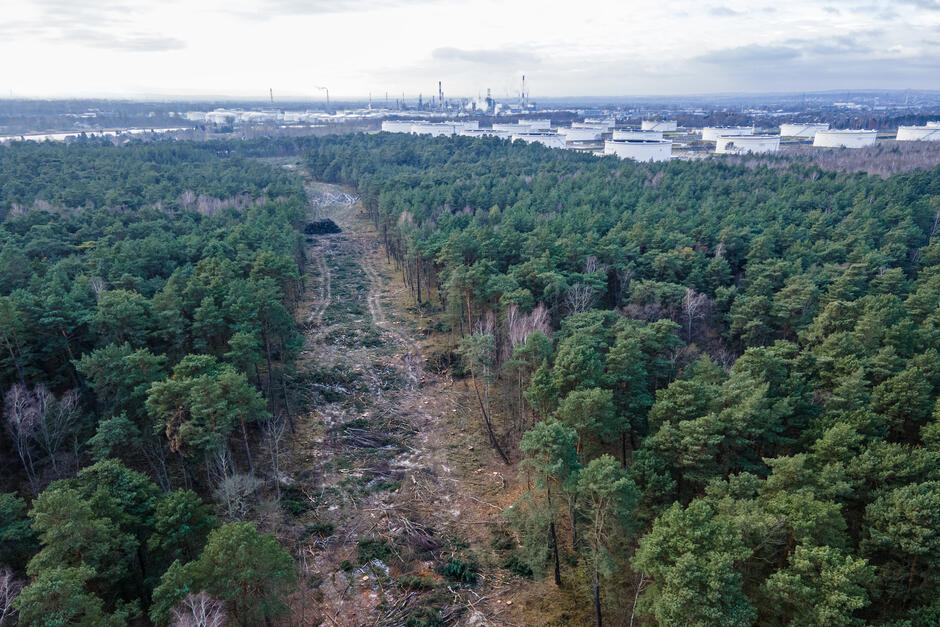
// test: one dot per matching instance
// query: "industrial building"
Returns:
(927, 133)
(804, 129)
(711, 133)
(397, 126)
(639, 149)
(635, 133)
(844, 139)
(666, 126)
(552, 140)
(741, 144)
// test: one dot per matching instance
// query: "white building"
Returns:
(666, 126)
(803, 129)
(397, 126)
(634, 133)
(711, 133)
(552, 140)
(844, 139)
(928, 133)
(639, 150)
(741, 144)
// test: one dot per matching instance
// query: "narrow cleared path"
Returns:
(390, 477)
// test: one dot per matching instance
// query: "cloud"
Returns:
(102, 24)
(138, 42)
(507, 58)
(275, 8)
(751, 54)
(722, 11)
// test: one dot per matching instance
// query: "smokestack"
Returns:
(440, 95)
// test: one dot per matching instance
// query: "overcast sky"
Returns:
(240, 48)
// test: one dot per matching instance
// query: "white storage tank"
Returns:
(434, 129)
(844, 139)
(503, 126)
(581, 134)
(536, 124)
(711, 133)
(666, 126)
(635, 133)
(552, 140)
(485, 132)
(928, 133)
(803, 129)
(639, 149)
(741, 144)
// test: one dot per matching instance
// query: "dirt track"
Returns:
(390, 470)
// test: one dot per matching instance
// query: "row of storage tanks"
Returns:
(647, 142)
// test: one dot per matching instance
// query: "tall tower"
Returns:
(522, 96)
(440, 95)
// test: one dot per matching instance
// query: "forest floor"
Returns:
(390, 476)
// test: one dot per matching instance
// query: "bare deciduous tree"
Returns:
(97, 286)
(22, 423)
(57, 417)
(694, 307)
(579, 298)
(199, 610)
(10, 588)
(274, 429)
(520, 326)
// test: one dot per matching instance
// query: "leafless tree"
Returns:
(57, 417)
(233, 490)
(591, 265)
(580, 297)
(520, 326)
(97, 286)
(22, 423)
(624, 278)
(274, 429)
(10, 588)
(694, 307)
(199, 610)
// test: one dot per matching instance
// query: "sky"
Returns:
(243, 48)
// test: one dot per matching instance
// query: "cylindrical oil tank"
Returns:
(740, 144)
(552, 140)
(635, 133)
(534, 125)
(485, 132)
(435, 129)
(844, 139)
(666, 126)
(929, 133)
(711, 133)
(639, 150)
(581, 134)
(803, 129)
(505, 126)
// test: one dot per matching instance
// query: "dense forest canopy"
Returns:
(731, 372)
(145, 294)
(719, 379)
